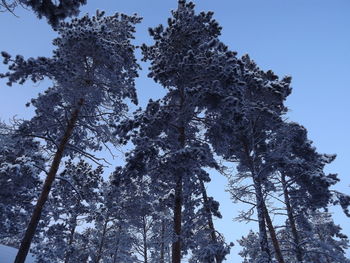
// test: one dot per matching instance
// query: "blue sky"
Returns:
(308, 40)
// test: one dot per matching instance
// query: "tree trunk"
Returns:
(31, 228)
(293, 228)
(176, 246)
(273, 236)
(264, 246)
(260, 203)
(102, 242)
(218, 258)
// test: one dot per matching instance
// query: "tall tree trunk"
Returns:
(264, 246)
(293, 228)
(273, 236)
(102, 242)
(260, 203)
(218, 258)
(70, 242)
(31, 228)
(176, 246)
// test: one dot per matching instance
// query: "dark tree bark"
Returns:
(30, 232)
(273, 236)
(260, 203)
(176, 246)
(213, 236)
(264, 246)
(293, 228)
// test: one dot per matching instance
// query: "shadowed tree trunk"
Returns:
(176, 247)
(293, 228)
(218, 258)
(273, 236)
(260, 203)
(261, 218)
(30, 232)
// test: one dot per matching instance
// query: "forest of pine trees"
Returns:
(219, 112)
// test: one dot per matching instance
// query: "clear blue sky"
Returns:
(309, 40)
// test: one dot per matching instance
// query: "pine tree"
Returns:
(111, 238)
(250, 248)
(54, 11)
(73, 199)
(300, 172)
(21, 162)
(146, 208)
(92, 69)
(189, 61)
(240, 134)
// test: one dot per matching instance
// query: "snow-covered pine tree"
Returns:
(250, 244)
(21, 162)
(134, 196)
(206, 244)
(195, 67)
(54, 11)
(93, 69)
(297, 173)
(240, 134)
(322, 240)
(72, 201)
(147, 209)
(111, 239)
(300, 173)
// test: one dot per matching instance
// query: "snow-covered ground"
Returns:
(8, 254)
